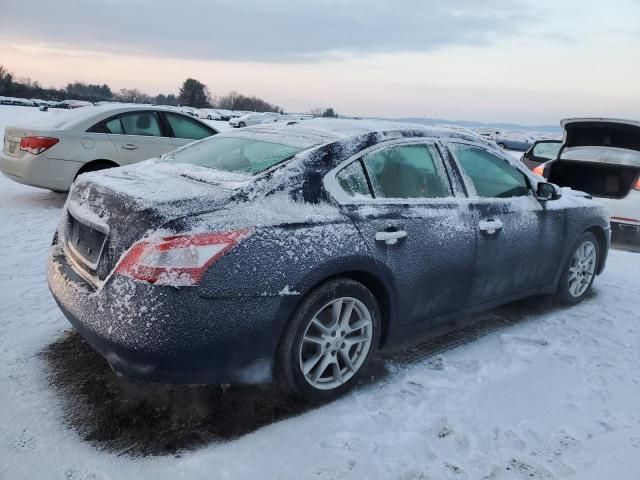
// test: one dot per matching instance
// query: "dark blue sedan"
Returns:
(294, 252)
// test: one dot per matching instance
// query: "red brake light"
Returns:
(179, 260)
(37, 145)
(636, 185)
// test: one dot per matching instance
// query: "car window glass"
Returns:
(230, 154)
(548, 150)
(491, 175)
(353, 180)
(184, 127)
(141, 123)
(113, 126)
(405, 171)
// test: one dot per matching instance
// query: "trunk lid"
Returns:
(599, 156)
(108, 211)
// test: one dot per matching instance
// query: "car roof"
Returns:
(85, 117)
(344, 128)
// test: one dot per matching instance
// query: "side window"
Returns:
(492, 176)
(141, 123)
(184, 127)
(113, 126)
(406, 171)
(548, 150)
(353, 180)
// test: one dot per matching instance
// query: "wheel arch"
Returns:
(91, 165)
(601, 236)
(362, 270)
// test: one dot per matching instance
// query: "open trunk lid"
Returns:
(599, 156)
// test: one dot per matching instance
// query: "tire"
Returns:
(95, 166)
(242, 124)
(209, 117)
(502, 145)
(580, 270)
(326, 354)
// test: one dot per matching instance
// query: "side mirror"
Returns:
(547, 191)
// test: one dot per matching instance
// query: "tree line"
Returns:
(192, 93)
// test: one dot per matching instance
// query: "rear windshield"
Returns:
(231, 154)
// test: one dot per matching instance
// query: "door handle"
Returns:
(390, 238)
(490, 226)
(129, 146)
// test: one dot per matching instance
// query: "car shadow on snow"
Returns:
(127, 417)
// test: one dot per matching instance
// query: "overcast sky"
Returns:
(525, 61)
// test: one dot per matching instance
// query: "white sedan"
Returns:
(253, 119)
(52, 153)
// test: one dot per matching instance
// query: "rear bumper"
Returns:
(40, 171)
(169, 335)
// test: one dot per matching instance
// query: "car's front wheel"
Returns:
(330, 341)
(242, 124)
(580, 270)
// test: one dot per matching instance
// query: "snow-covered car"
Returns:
(519, 142)
(194, 112)
(488, 132)
(541, 152)
(253, 119)
(294, 252)
(601, 156)
(209, 114)
(53, 152)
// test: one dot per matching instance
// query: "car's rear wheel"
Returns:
(330, 341)
(580, 270)
(502, 145)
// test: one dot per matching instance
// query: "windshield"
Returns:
(231, 154)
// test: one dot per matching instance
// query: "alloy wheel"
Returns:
(336, 342)
(582, 269)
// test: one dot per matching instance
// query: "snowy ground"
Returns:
(532, 391)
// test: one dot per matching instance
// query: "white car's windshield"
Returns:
(230, 154)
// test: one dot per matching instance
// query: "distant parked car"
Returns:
(601, 156)
(189, 111)
(540, 152)
(489, 132)
(209, 114)
(253, 119)
(53, 152)
(514, 141)
(295, 252)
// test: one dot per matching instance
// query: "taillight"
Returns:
(179, 260)
(37, 145)
(539, 170)
(636, 186)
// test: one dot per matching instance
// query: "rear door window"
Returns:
(113, 126)
(353, 180)
(184, 127)
(406, 171)
(141, 123)
(491, 176)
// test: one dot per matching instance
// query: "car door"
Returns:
(400, 199)
(138, 135)
(186, 130)
(540, 152)
(519, 240)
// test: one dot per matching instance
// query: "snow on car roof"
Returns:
(79, 116)
(322, 130)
